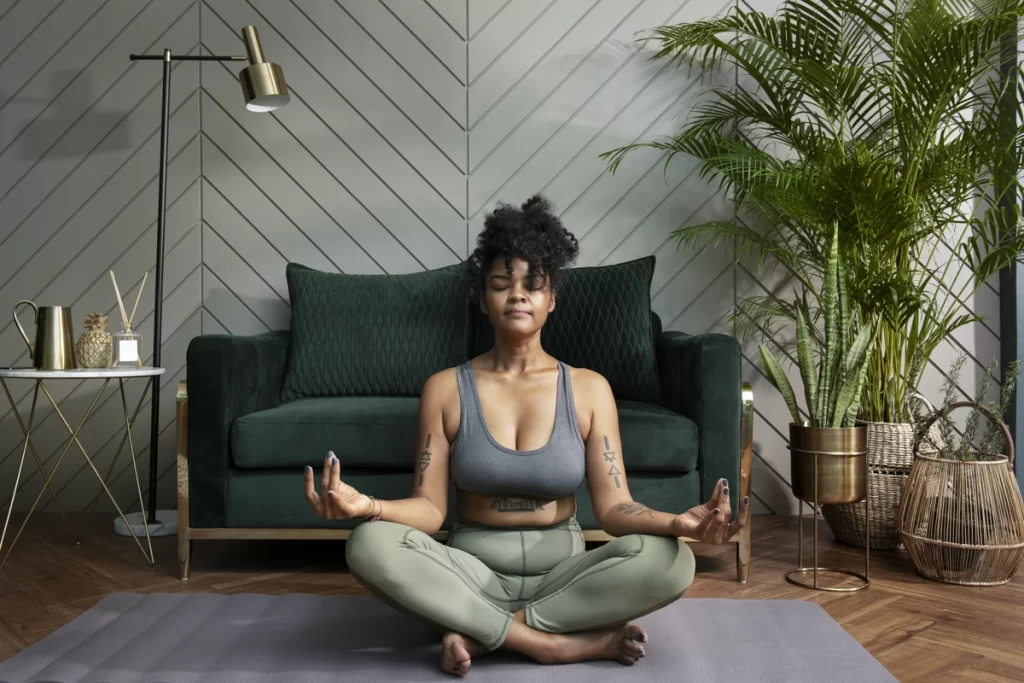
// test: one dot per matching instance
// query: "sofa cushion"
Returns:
(363, 431)
(602, 321)
(380, 432)
(372, 335)
(656, 439)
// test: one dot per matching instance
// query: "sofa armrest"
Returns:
(228, 377)
(700, 378)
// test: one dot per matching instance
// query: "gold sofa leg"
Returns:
(746, 461)
(184, 533)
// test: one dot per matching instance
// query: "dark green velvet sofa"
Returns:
(255, 410)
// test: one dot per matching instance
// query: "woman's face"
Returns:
(516, 303)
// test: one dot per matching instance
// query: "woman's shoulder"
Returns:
(442, 379)
(586, 376)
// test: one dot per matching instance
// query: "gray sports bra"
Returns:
(481, 465)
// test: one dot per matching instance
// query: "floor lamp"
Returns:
(264, 89)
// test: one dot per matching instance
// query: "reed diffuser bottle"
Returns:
(127, 344)
(127, 348)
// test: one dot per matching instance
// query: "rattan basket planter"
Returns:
(962, 521)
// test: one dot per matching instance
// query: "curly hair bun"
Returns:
(537, 204)
(532, 232)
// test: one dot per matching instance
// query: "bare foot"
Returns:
(619, 643)
(457, 651)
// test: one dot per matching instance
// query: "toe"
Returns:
(635, 633)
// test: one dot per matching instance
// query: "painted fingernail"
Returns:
(746, 499)
(331, 494)
(717, 511)
(308, 469)
(334, 461)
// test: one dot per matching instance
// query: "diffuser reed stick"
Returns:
(138, 296)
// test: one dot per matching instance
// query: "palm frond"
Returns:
(882, 119)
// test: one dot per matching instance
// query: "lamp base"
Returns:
(166, 524)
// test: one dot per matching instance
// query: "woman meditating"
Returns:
(518, 431)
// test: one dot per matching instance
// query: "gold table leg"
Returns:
(120, 446)
(74, 439)
(150, 558)
(35, 456)
(131, 449)
(21, 464)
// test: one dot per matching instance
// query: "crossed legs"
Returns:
(579, 610)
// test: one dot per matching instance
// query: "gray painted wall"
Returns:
(409, 119)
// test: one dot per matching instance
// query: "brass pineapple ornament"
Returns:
(95, 348)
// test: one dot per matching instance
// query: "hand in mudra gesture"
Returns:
(712, 522)
(336, 500)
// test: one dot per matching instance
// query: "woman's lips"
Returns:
(518, 314)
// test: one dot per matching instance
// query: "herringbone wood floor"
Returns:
(920, 630)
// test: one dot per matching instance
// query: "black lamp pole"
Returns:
(264, 89)
(161, 234)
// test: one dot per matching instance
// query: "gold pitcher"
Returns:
(55, 347)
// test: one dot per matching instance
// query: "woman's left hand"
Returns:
(712, 522)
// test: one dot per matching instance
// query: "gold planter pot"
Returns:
(828, 466)
(841, 455)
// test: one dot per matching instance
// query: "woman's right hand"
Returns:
(337, 500)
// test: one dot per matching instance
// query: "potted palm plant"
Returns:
(828, 448)
(885, 118)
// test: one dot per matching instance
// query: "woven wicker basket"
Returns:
(890, 458)
(963, 521)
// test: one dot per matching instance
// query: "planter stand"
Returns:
(798, 576)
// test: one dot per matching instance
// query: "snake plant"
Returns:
(833, 371)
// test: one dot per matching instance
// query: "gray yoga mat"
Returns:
(249, 638)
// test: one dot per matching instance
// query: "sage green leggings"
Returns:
(483, 575)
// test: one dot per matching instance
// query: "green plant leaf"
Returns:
(852, 410)
(853, 378)
(831, 373)
(778, 378)
(805, 357)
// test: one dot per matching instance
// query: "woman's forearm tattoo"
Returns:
(609, 456)
(424, 461)
(505, 504)
(632, 508)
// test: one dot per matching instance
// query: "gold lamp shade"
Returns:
(262, 82)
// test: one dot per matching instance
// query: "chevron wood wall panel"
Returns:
(409, 121)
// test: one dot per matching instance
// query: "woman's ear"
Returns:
(551, 302)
